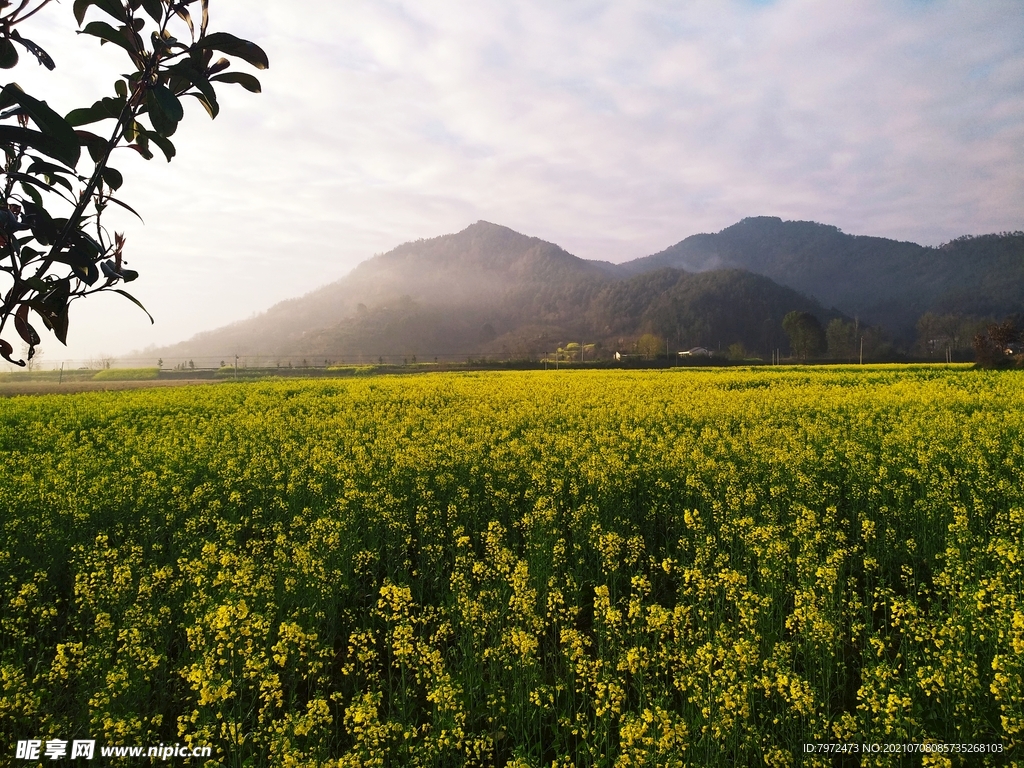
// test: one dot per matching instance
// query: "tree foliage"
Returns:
(54, 247)
(998, 345)
(806, 337)
(954, 332)
(650, 346)
(842, 339)
(888, 283)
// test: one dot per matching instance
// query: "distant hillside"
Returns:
(884, 282)
(712, 309)
(490, 290)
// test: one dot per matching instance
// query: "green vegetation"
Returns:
(64, 252)
(490, 292)
(586, 568)
(806, 337)
(126, 374)
(885, 282)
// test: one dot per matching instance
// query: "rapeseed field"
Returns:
(570, 568)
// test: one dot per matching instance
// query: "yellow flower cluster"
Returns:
(678, 568)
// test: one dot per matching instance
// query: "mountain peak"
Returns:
(489, 285)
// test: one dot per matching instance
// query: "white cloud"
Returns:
(611, 128)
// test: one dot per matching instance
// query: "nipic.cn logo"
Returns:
(55, 749)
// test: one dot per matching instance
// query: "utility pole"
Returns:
(236, 366)
(862, 350)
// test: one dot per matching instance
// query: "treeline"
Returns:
(950, 337)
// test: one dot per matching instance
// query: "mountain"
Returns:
(491, 291)
(488, 290)
(883, 282)
(469, 272)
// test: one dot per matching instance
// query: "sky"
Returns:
(614, 129)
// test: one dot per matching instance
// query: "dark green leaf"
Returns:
(218, 66)
(87, 243)
(127, 207)
(86, 115)
(44, 228)
(163, 125)
(165, 146)
(10, 95)
(111, 7)
(235, 46)
(24, 329)
(75, 256)
(48, 145)
(155, 9)
(59, 327)
(112, 178)
(9, 223)
(41, 56)
(8, 54)
(52, 307)
(33, 193)
(141, 144)
(136, 302)
(102, 110)
(62, 182)
(96, 145)
(26, 179)
(6, 350)
(186, 69)
(49, 122)
(121, 89)
(51, 320)
(168, 102)
(79, 8)
(144, 151)
(48, 186)
(107, 268)
(183, 13)
(128, 275)
(206, 18)
(41, 166)
(104, 31)
(212, 107)
(28, 255)
(245, 80)
(87, 273)
(37, 283)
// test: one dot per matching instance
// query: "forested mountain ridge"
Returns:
(883, 282)
(489, 290)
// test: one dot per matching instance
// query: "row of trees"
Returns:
(993, 344)
(840, 340)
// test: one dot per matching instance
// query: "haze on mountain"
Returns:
(490, 291)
